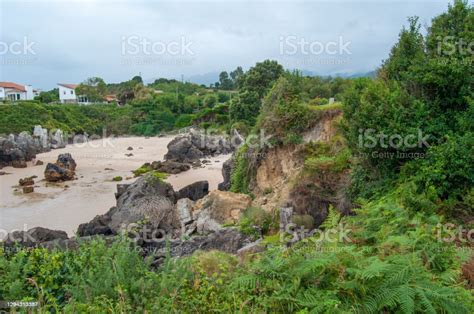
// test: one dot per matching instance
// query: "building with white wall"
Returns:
(67, 94)
(15, 92)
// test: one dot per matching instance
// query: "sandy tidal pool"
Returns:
(65, 205)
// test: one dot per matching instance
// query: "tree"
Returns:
(49, 96)
(94, 88)
(253, 86)
(236, 76)
(137, 79)
(224, 81)
(260, 78)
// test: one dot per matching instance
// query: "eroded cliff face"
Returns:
(281, 179)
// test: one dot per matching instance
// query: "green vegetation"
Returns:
(390, 257)
(117, 178)
(142, 170)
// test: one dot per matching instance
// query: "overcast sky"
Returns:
(46, 42)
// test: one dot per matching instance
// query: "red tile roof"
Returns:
(71, 86)
(16, 86)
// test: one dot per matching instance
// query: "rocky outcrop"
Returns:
(54, 173)
(169, 166)
(218, 208)
(196, 145)
(27, 181)
(194, 191)
(66, 161)
(228, 240)
(62, 170)
(57, 140)
(226, 174)
(98, 225)
(33, 237)
(16, 150)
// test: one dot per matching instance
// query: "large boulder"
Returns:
(62, 170)
(195, 145)
(66, 161)
(227, 168)
(217, 208)
(54, 173)
(57, 140)
(169, 166)
(98, 225)
(40, 134)
(17, 149)
(150, 199)
(10, 152)
(33, 237)
(194, 191)
(182, 149)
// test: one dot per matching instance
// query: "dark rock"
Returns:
(129, 148)
(227, 168)
(251, 248)
(62, 170)
(121, 188)
(28, 189)
(150, 198)
(27, 181)
(19, 164)
(39, 163)
(171, 167)
(228, 240)
(194, 191)
(54, 173)
(196, 145)
(33, 236)
(129, 155)
(66, 161)
(98, 225)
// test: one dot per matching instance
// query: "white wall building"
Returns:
(15, 92)
(67, 94)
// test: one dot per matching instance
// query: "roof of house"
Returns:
(16, 86)
(110, 97)
(71, 86)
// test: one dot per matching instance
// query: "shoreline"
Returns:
(66, 205)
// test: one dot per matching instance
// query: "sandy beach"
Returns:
(65, 205)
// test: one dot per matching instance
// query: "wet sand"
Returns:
(66, 205)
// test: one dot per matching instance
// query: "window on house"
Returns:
(17, 96)
(64, 92)
(72, 92)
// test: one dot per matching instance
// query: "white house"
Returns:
(67, 94)
(14, 92)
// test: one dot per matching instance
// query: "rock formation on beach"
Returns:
(17, 149)
(196, 144)
(62, 170)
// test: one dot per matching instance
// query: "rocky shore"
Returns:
(17, 149)
(149, 210)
